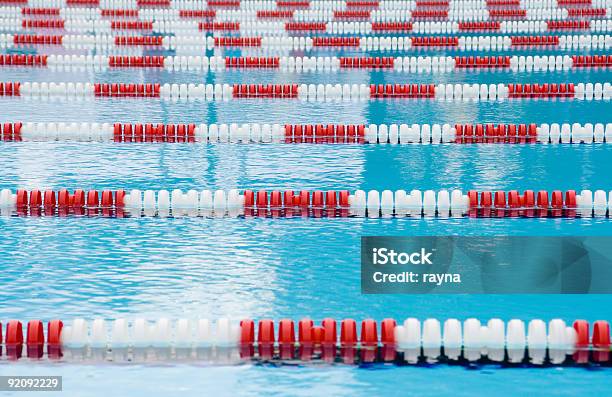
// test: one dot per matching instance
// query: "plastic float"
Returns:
(427, 64)
(565, 133)
(441, 64)
(347, 341)
(273, 23)
(195, 45)
(318, 203)
(308, 92)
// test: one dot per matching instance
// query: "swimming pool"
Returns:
(264, 267)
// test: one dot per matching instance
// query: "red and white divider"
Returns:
(565, 133)
(436, 64)
(348, 340)
(197, 44)
(430, 64)
(400, 11)
(318, 203)
(307, 92)
(272, 27)
(272, 23)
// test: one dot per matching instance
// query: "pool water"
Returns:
(276, 268)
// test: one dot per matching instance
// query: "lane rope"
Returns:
(304, 203)
(330, 340)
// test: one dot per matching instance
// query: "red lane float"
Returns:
(508, 14)
(479, 26)
(335, 41)
(10, 88)
(352, 15)
(488, 204)
(534, 40)
(432, 3)
(591, 61)
(295, 4)
(219, 26)
(267, 14)
(568, 25)
(237, 41)
(435, 41)
(153, 3)
(122, 13)
(265, 90)
(252, 62)
(136, 61)
(395, 27)
(305, 26)
(154, 132)
(64, 203)
(330, 133)
(43, 23)
(362, 4)
(11, 132)
(428, 14)
(541, 90)
(503, 3)
(23, 60)
(40, 11)
(83, 2)
(367, 63)
(402, 91)
(132, 25)
(197, 13)
(139, 40)
(482, 62)
(37, 39)
(322, 339)
(586, 12)
(123, 90)
(223, 3)
(491, 133)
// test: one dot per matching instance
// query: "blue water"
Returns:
(194, 267)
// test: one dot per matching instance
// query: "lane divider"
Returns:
(565, 133)
(318, 203)
(308, 92)
(283, 26)
(441, 64)
(198, 44)
(347, 341)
